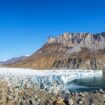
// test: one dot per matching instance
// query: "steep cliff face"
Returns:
(69, 50)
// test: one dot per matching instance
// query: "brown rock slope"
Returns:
(69, 50)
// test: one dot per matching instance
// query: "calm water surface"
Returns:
(87, 84)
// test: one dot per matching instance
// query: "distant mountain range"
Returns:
(69, 50)
(13, 60)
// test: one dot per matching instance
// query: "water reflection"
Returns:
(87, 84)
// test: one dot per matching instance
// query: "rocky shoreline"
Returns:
(24, 92)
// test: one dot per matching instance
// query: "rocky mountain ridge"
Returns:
(96, 41)
(69, 50)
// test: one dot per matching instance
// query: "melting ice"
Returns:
(45, 79)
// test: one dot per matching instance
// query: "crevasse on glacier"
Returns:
(47, 79)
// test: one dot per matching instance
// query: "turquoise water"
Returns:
(87, 84)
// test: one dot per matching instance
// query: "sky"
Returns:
(25, 25)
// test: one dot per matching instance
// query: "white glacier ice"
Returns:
(67, 75)
(47, 79)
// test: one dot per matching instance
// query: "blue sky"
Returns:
(26, 24)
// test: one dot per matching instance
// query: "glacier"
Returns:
(48, 80)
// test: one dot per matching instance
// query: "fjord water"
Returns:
(87, 83)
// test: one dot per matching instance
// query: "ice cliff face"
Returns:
(49, 80)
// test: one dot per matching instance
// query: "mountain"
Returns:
(69, 50)
(13, 60)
